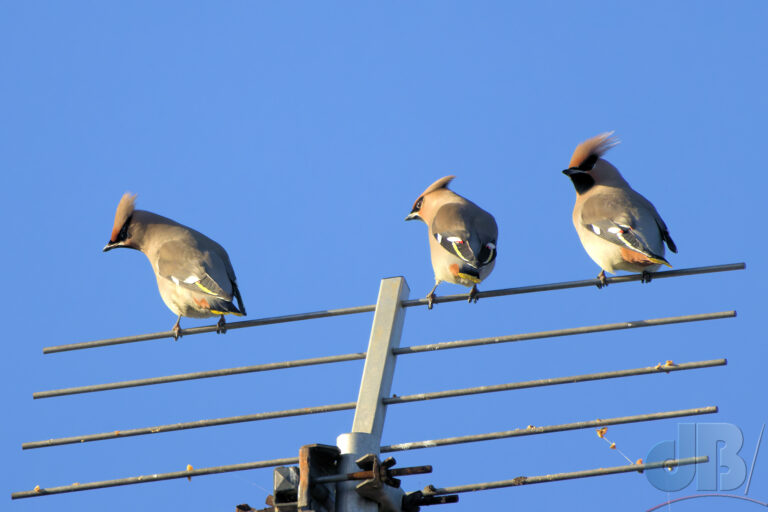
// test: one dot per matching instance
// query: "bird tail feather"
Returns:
(224, 307)
(659, 260)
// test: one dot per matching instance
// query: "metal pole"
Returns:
(212, 328)
(580, 284)
(156, 477)
(632, 372)
(375, 385)
(115, 434)
(547, 429)
(398, 351)
(365, 475)
(407, 304)
(525, 480)
(384, 449)
(571, 331)
(225, 372)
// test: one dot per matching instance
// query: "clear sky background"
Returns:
(298, 136)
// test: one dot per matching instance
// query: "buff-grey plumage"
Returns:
(618, 227)
(462, 236)
(194, 273)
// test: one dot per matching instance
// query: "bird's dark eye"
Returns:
(123, 235)
(417, 206)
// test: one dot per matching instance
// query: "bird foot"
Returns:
(221, 326)
(176, 332)
(646, 277)
(472, 295)
(430, 299)
(601, 280)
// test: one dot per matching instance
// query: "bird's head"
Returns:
(587, 168)
(423, 207)
(121, 229)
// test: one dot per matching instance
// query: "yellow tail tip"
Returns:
(468, 277)
(217, 312)
(660, 261)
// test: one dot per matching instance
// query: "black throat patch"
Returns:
(582, 181)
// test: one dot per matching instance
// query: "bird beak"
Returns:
(111, 245)
(413, 216)
(572, 171)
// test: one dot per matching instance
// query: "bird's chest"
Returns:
(606, 254)
(445, 265)
(183, 301)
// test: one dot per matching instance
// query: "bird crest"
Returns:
(123, 213)
(586, 154)
(441, 183)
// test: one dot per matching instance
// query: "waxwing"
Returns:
(619, 228)
(462, 237)
(194, 274)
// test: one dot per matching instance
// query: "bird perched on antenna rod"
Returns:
(462, 237)
(194, 274)
(619, 228)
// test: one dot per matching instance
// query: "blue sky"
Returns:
(298, 136)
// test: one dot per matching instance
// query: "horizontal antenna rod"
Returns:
(212, 328)
(200, 375)
(365, 475)
(530, 431)
(407, 303)
(157, 477)
(555, 381)
(389, 401)
(384, 449)
(525, 480)
(398, 351)
(578, 284)
(565, 332)
(190, 425)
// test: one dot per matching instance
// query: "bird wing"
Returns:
(613, 217)
(225, 266)
(659, 221)
(467, 231)
(190, 268)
